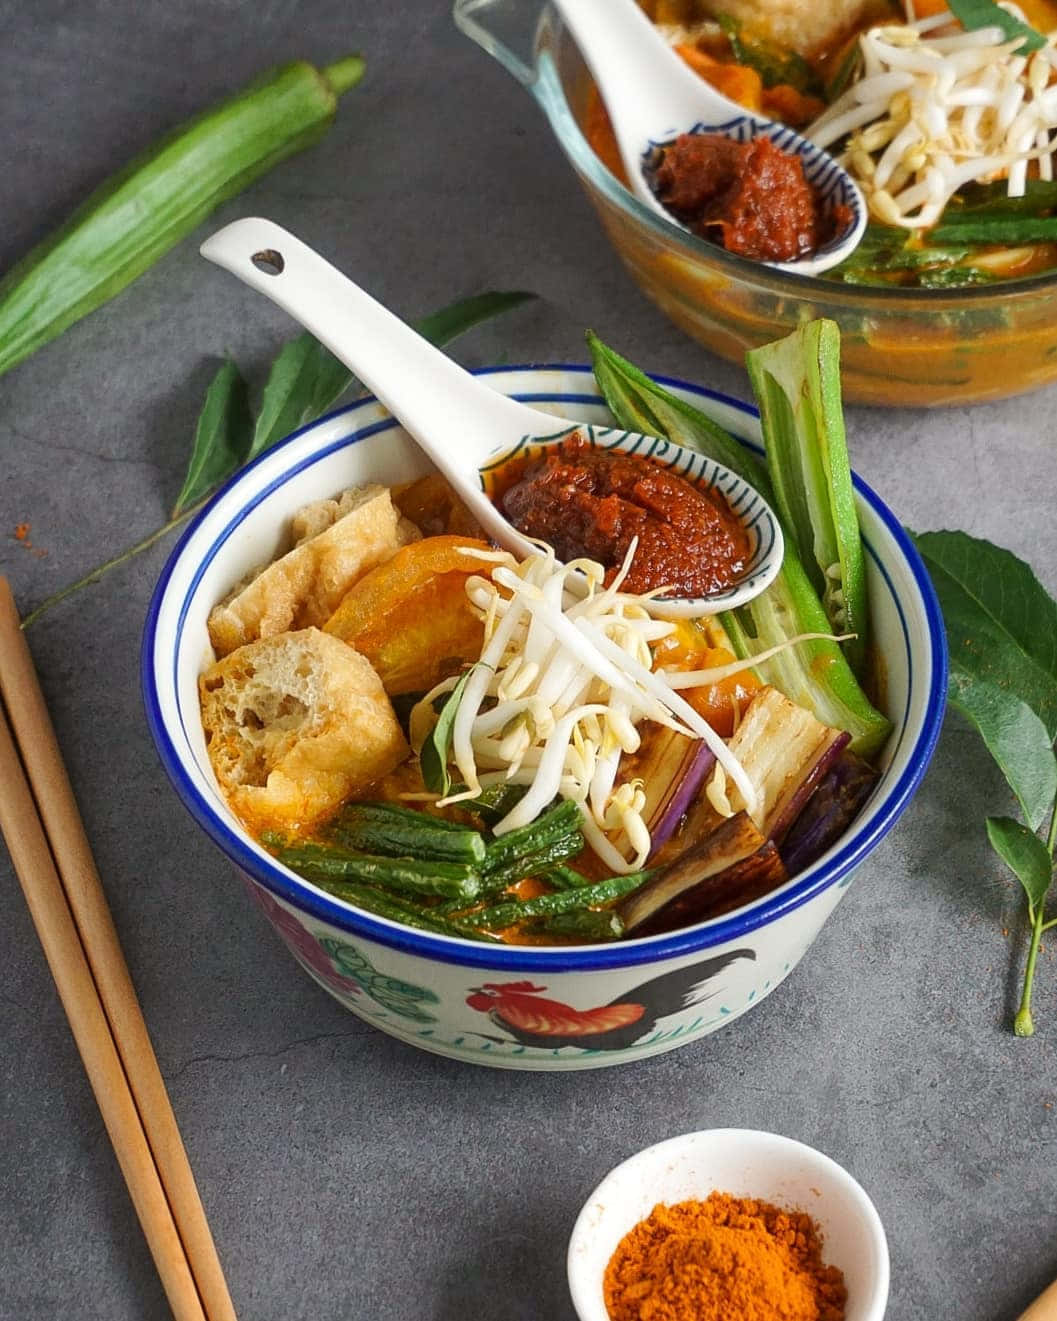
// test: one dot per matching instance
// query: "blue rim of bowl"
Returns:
(549, 93)
(308, 900)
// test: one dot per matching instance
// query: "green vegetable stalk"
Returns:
(796, 381)
(138, 215)
(815, 675)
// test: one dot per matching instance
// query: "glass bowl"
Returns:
(900, 347)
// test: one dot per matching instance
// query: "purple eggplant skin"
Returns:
(793, 801)
(674, 768)
(730, 867)
(836, 802)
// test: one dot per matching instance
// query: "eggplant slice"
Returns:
(732, 866)
(833, 806)
(785, 752)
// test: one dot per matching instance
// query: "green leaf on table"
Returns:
(435, 750)
(222, 436)
(306, 379)
(974, 14)
(1024, 854)
(1001, 622)
(1015, 737)
(448, 323)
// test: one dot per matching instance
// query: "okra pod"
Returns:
(815, 675)
(796, 381)
(139, 214)
(316, 862)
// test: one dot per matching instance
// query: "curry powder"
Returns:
(723, 1259)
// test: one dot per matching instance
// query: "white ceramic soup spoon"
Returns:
(652, 97)
(465, 426)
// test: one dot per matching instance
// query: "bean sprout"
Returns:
(933, 112)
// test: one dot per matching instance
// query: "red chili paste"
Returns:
(749, 197)
(585, 501)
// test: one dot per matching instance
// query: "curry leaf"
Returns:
(306, 378)
(1024, 854)
(450, 322)
(434, 754)
(1001, 622)
(1002, 634)
(1015, 737)
(304, 381)
(222, 436)
(226, 434)
(973, 14)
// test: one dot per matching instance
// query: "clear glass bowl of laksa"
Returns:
(901, 345)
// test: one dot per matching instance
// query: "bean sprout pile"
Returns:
(563, 681)
(937, 108)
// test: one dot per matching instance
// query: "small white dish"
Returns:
(745, 1163)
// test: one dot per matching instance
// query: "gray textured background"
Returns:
(347, 1176)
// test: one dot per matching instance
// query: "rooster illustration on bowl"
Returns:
(520, 1009)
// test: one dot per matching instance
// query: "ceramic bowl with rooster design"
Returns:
(516, 1007)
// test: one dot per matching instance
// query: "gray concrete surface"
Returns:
(349, 1178)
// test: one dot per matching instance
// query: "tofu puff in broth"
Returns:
(950, 134)
(502, 749)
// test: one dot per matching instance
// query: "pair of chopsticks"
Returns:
(52, 858)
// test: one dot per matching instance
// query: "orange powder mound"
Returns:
(721, 1259)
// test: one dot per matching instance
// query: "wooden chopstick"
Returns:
(1044, 1308)
(58, 874)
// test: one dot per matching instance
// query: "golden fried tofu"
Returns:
(295, 724)
(801, 25)
(335, 543)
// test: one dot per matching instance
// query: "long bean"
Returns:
(548, 905)
(494, 802)
(450, 880)
(385, 905)
(589, 926)
(566, 878)
(400, 833)
(539, 864)
(557, 823)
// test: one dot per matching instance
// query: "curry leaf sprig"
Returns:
(1002, 634)
(304, 381)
